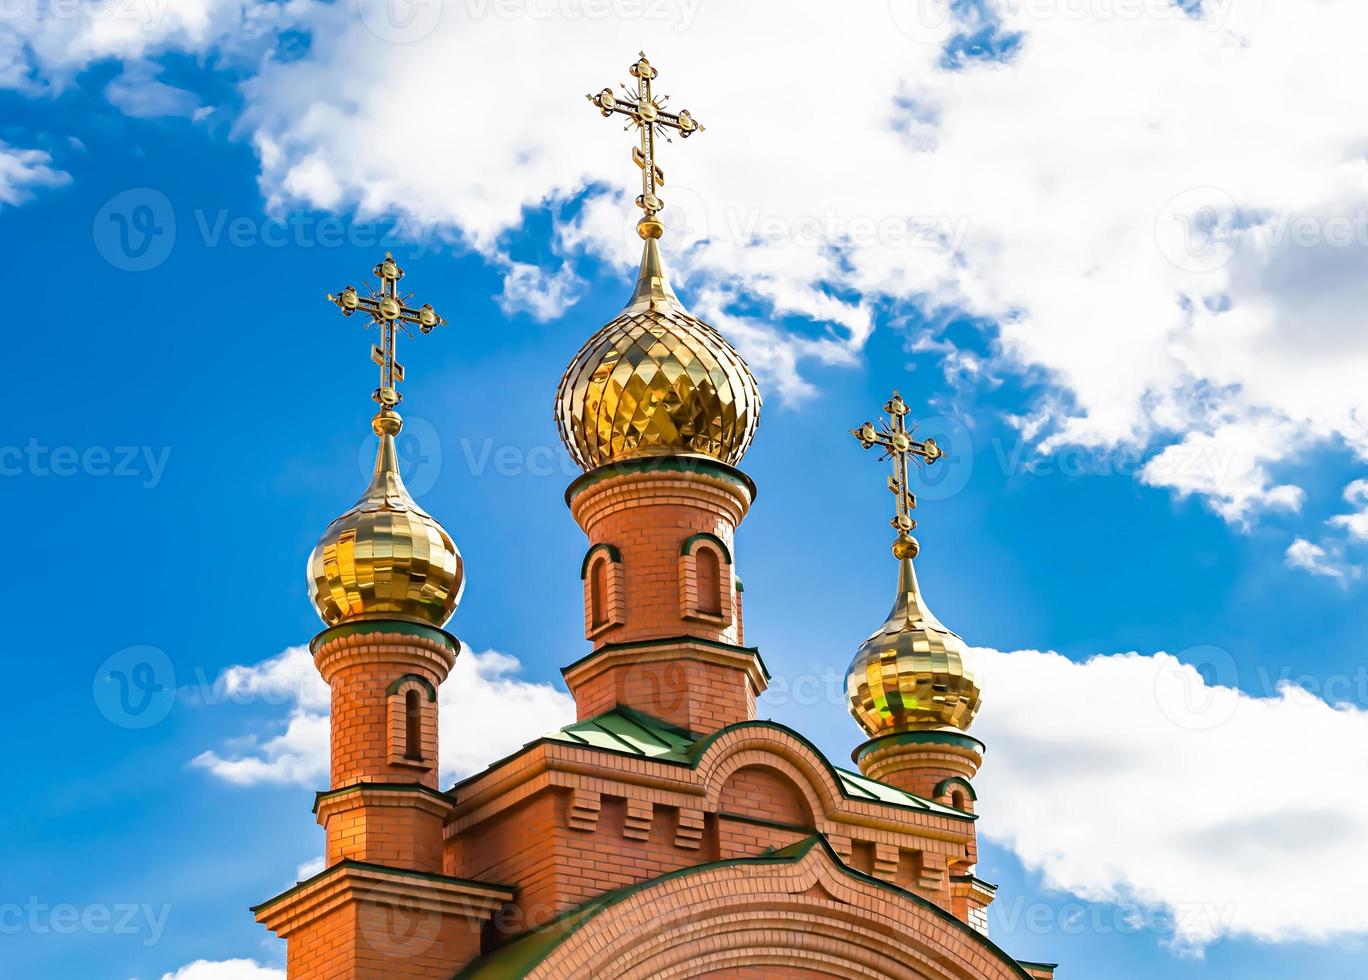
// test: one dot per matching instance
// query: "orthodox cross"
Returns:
(390, 312)
(897, 444)
(648, 114)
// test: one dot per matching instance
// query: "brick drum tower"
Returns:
(668, 832)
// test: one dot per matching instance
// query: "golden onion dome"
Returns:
(386, 558)
(912, 674)
(656, 381)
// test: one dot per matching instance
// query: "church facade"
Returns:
(668, 832)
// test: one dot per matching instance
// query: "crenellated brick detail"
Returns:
(885, 861)
(585, 806)
(689, 830)
(636, 822)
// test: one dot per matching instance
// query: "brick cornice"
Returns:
(412, 795)
(553, 765)
(723, 493)
(356, 881)
(667, 648)
(422, 648)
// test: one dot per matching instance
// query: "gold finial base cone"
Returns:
(650, 227)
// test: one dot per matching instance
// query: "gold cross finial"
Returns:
(648, 114)
(390, 312)
(894, 438)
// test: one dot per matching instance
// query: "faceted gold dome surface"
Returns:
(913, 674)
(656, 381)
(386, 558)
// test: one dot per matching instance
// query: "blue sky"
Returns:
(178, 199)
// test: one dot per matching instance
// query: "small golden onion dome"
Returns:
(913, 674)
(656, 381)
(386, 558)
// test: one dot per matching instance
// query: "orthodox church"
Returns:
(668, 832)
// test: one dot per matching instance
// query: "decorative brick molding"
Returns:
(423, 756)
(970, 897)
(921, 762)
(585, 806)
(689, 832)
(393, 824)
(637, 820)
(885, 861)
(370, 922)
(604, 596)
(711, 602)
(647, 510)
(797, 913)
(697, 685)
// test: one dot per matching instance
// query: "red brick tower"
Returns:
(658, 407)
(385, 577)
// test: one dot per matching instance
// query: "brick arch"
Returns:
(798, 911)
(758, 744)
(765, 791)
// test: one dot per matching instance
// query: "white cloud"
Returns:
(1315, 559)
(137, 91)
(544, 296)
(225, 970)
(310, 868)
(486, 712)
(24, 171)
(54, 41)
(1178, 275)
(1355, 523)
(1134, 778)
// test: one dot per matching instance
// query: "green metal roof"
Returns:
(633, 733)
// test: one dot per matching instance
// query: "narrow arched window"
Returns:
(709, 582)
(598, 593)
(957, 799)
(413, 726)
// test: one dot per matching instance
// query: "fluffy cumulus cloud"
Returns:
(225, 970)
(477, 726)
(1155, 781)
(22, 172)
(43, 45)
(1174, 244)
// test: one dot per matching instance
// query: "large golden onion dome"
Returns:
(913, 674)
(656, 381)
(386, 558)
